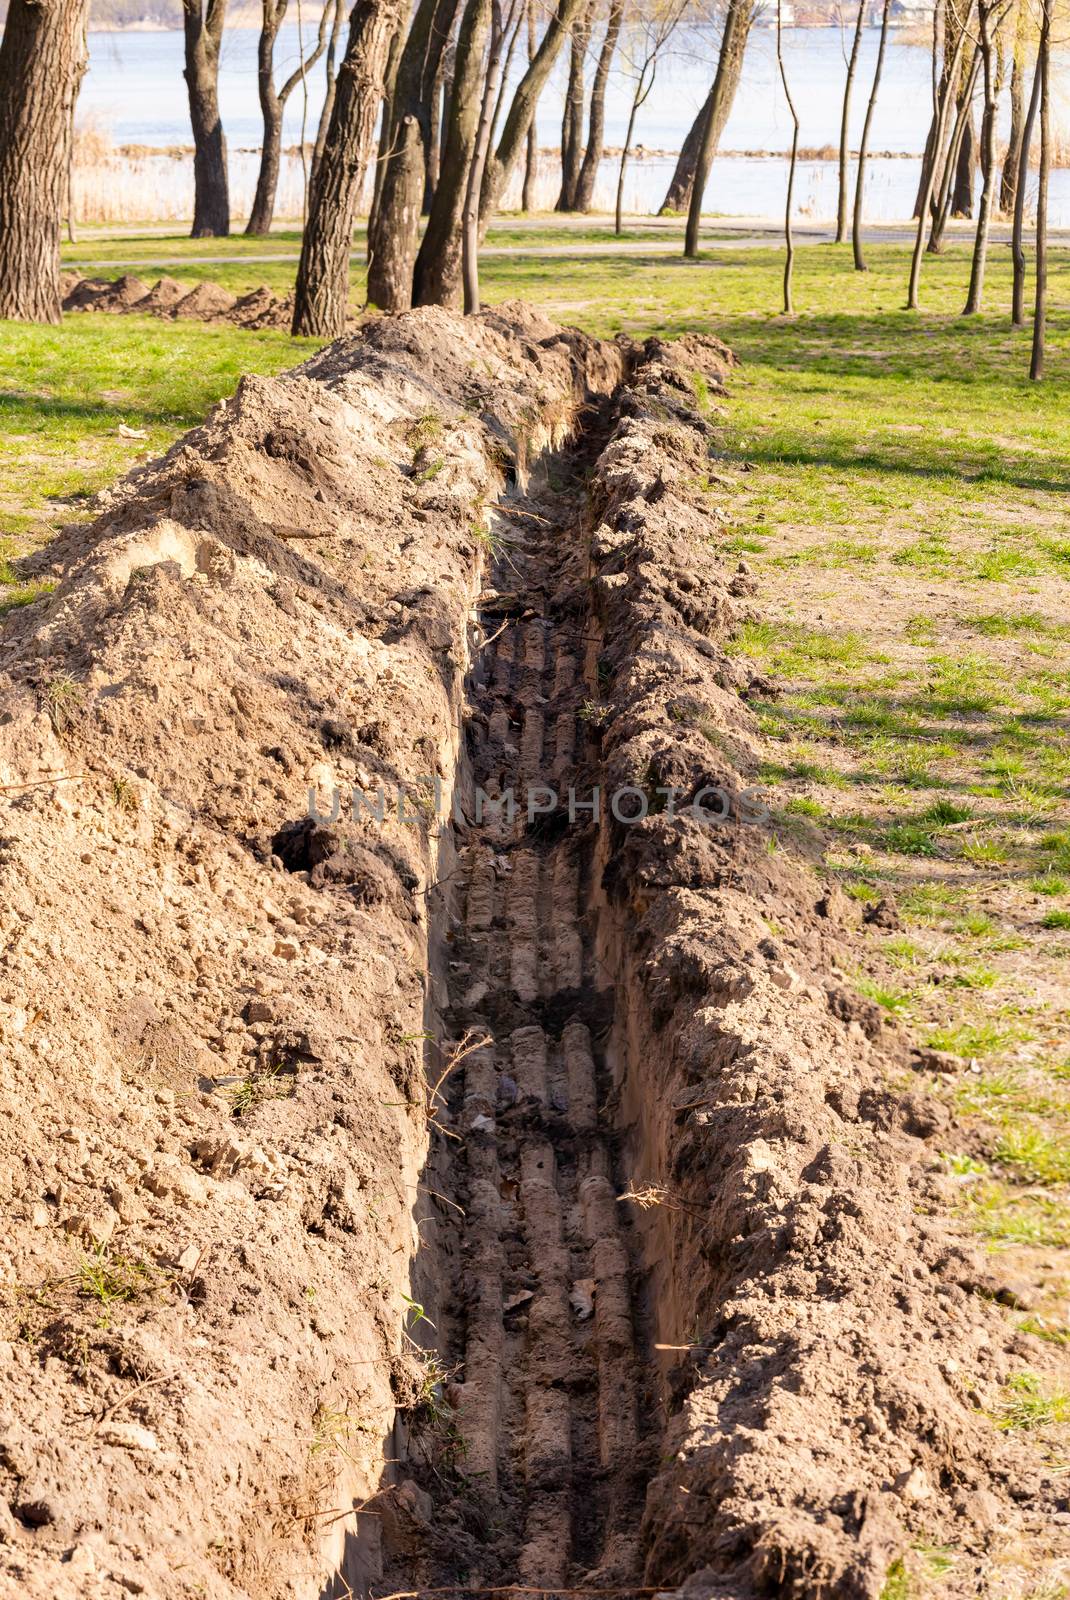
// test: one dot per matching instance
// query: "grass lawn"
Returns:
(900, 488)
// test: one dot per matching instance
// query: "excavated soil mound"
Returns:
(206, 302)
(425, 1190)
(262, 309)
(163, 296)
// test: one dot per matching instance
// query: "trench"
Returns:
(537, 1463)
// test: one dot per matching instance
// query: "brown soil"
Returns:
(206, 302)
(413, 1203)
(162, 297)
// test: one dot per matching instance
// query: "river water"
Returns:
(134, 90)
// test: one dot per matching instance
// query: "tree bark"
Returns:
(43, 55)
(273, 106)
(596, 125)
(389, 80)
(338, 17)
(1017, 247)
(942, 204)
(437, 275)
(211, 198)
(531, 158)
(393, 239)
(863, 148)
(845, 125)
(938, 134)
(737, 24)
(500, 162)
(1040, 304)
(988, 22)
(1008, 183)
(433, 153)
(789, 242)
(965, 166)
(678, 194)
(322, 291)
(572, 116)
(470, 250)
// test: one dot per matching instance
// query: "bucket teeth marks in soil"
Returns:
(543, 1362)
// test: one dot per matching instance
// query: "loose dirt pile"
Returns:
(680, 1244)
(213, 1012)
(205, 302)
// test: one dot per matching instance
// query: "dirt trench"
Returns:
(539, 1327)
(455, 1201)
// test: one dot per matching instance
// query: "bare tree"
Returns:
(202, 22)
(737, 25)
(499, 28)
(943, 100)
(1040, 305)
(572, 114)
(1008, 183)
(531, 157)
(437, 277)
(863, 148)
(42, 58)
(596, 122)
(789, 241)
(650, 30)
(845, 125)
(322, 291)
(990, 14)
(718, 105)
(1018, 228)
(273, 106)
(950, 177)
(393, 233)
(502, 159)
(337, 18)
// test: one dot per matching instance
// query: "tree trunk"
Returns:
(618, 220)
(211, 198)
(337, 18)
(1008, 183)
(273, 106)
(433, 154)
(789, 242)
(938, 133)
(322, 291)
(942, 205)
(531, 159)
(389, 80)
(42, 58)
(966, 165)
(678, 194)
(500, 162)
(737, 23)
(572, 116)
(393, 239)
(863, 148)
(437, 276)
(845, 125)
(1040, 309)
(470, 251)
(975, 293)
(1017, 247)
(596, 125)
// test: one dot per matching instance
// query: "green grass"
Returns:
(65, 391)
(1027, 1405)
